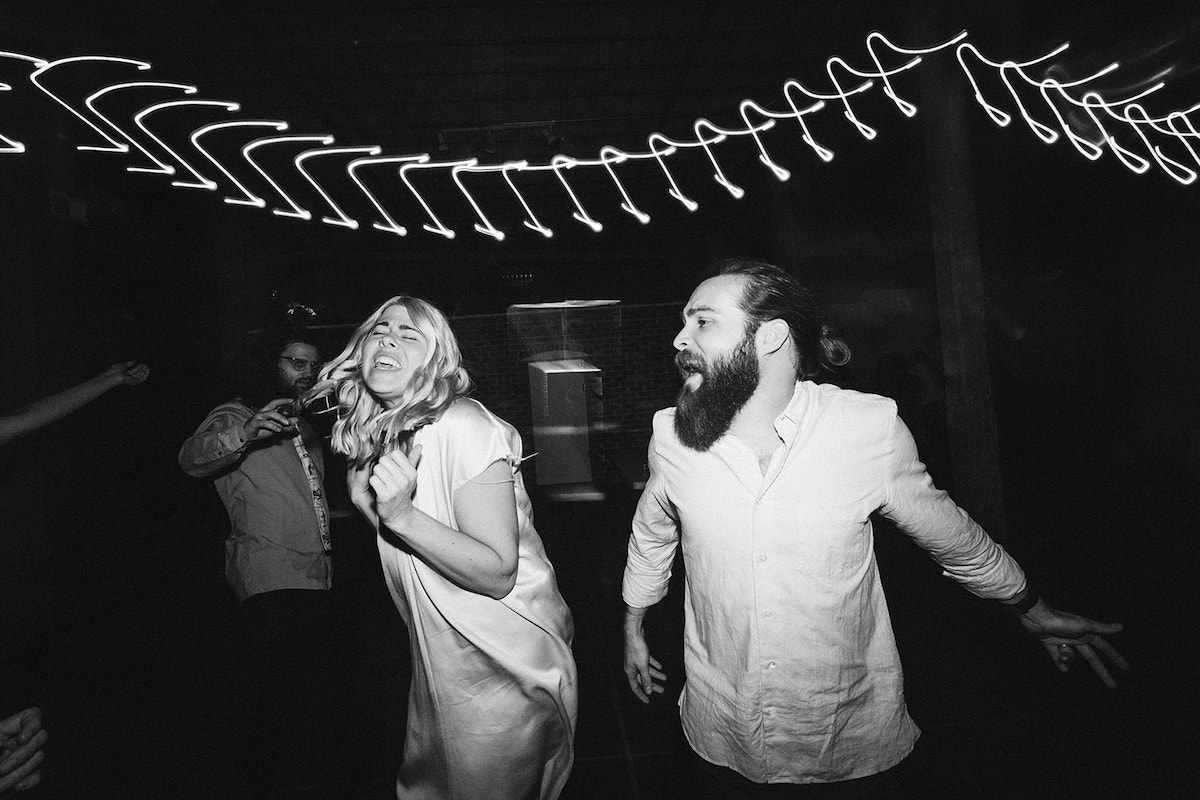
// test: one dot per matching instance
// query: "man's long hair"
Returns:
(768, 293)
(365, 429)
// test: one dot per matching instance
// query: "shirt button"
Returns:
(770, 712)
(768, 613)
(770, 665)
(762, 558)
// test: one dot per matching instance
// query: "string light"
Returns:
(90, 102)
(484, 225)
(342, 218)
(248, 198)
(8, 145)
(531, 221)
(434, 225)
(388, 225)
(198, 181)
(610, 156)
(559, 164)
(293, 209)
(906, 108)
(1061, 101)
(37, 76)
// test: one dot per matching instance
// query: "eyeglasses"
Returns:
(300, 364)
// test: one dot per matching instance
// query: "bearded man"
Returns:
(768, 481)
(267, 465)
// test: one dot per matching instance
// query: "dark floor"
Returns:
(138, 681)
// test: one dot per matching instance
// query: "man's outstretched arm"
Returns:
(1063, 634)
(973, 559)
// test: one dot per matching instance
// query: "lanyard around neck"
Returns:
(314, 486)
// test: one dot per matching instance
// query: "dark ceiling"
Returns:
(529, 79)
(394, 73)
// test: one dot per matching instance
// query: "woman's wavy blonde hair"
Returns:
(365, 429)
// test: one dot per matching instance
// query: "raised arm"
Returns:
(50, 409)
(226, 433)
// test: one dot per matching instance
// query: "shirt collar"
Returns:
(787, 424)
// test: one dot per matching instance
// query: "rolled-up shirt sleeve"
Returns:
(217, 444)
(935, 522)
(652, 542)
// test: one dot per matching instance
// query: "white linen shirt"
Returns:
(792, 670)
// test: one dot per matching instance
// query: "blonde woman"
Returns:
(492, 705)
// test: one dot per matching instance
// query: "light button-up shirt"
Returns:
(792, 669)
(275, 539)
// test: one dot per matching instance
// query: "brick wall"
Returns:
(630, 344)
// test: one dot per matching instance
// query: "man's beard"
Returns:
(704, 414)
(294, 387)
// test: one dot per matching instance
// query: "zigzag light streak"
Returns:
(293, 209)
(248, 198)
(1168, 165)
(1179, 118)
(660, 155)
(560, 163)
(1166, 139)
(90, 102)
(342, 218)
(390, 225)
(484, 225)
(531, 221)
(1085, 147)
(611, 156)
(46, 66)
(7, 145)
(139, 119)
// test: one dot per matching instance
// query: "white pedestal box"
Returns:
(560, 392)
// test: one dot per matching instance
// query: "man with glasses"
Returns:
(266, 463)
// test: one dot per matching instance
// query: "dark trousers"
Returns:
(721, 783)
(294, 705)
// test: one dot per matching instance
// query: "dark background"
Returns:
(1089, 272)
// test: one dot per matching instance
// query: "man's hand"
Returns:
(394, 479)
(641, 669)
(21, 740)
(268, 421)
(1063, 634)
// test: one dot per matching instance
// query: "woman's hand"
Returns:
(21, 740)
(393, 480)
(360, 491)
